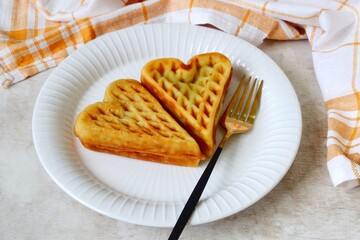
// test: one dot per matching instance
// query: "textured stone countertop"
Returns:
(304, 205)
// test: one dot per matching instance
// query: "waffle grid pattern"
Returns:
(129, 108)
(196, 94)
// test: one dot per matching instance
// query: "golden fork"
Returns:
(238, 117)
(240, 114)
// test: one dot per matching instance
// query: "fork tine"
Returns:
(231, 105)
(256, 104)
(240, 100)
(244, 113)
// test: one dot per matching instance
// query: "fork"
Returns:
(238, 117)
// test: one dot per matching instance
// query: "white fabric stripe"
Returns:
(3, 37)
(252, 34)
(65, 10)
(31, 17)
(57, 11)
(227, 23)
(354, 150)
(41, 21)
(317, 34)
(286, 29)
(341, 139)
(341, 172)
(349, 114)
(334, 81)
(174, 17)
(50, 62)
(223, 21)
(70, 50)
(350, 123)
(337, 136)
(6, 15)
(318, 3)
(7, 60)
(305, 9)
(119, 12)
(16, 74)
(40, 65)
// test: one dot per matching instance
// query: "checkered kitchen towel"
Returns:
(36, 35)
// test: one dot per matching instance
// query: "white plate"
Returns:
(154, 194)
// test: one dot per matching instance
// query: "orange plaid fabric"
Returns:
(31, 43)
(37, 35)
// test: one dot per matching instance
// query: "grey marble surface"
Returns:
(304, 205)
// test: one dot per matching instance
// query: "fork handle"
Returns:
(194, 197)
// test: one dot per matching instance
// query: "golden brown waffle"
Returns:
(193, 93)
(132, 123)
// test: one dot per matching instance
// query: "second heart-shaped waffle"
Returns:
(193, 93)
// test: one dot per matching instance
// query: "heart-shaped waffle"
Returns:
(193, 93)
(131, 122)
